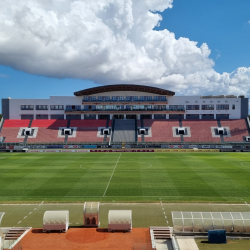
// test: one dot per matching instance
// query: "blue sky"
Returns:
(224, 25)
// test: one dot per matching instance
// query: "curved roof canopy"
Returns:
(204, 221)
(124, 87)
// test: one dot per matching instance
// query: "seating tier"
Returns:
(161, 130)
(47, 130)
(87, 130)
(15, 123)
(201, 130)
(238, 129)
(49, 123)
(11, 128)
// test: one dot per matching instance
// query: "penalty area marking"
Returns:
(112, 174)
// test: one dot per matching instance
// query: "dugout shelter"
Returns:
(91, 214)
(231, 222)
(56, 220)
(120, 220)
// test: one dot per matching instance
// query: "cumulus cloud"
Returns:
(108, 42)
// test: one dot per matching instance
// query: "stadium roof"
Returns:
(124, 87)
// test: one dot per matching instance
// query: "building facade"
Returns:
(127, 102)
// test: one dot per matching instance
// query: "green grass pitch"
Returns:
(125, 177)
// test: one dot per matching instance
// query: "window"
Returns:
(120, 98)
(56, 107)
(42, 107)
(27, 107)
(192, 107)
(75, 107)
(222, 107)
(176, 107)
(233, 106)
(207, 107)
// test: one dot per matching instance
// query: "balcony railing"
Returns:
(125, 110)
(119, 101)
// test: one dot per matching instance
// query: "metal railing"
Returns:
(119, 109)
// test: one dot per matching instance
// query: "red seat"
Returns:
(47, 130)
(87, 130)
(161, 130)
(238, 129)
(11, 128)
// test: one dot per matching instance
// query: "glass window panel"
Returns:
(206, 215)
(245, 215)
(197, 215)
(176, 214)
(228, 225)
(198, 226)
(218, 224)
(247, 226)
(178, 225)
(216, 215)
(208, 224)
(188, 225)
(187, 215)
(238, 226)
(236, 216)
(226, 216)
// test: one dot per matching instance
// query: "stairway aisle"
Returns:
(124, 130)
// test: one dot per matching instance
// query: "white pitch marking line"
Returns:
(41, 203)
(112, 174)
(30, 212)
(150, 165)
(163, 208)
(164, 212)
(19, 222)
(242, 164)
(25, 217)
(81, 167)
(34, 208)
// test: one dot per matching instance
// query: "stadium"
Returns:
(96, 161)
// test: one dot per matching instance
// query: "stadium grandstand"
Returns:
(131, 114)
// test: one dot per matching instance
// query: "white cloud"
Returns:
(109, 42)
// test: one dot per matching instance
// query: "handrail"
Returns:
(153, 109)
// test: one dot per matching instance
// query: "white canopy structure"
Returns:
(236, 222)
(120, 220)
(91, 214)
(56, 220)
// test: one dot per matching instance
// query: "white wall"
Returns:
(15, 110)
